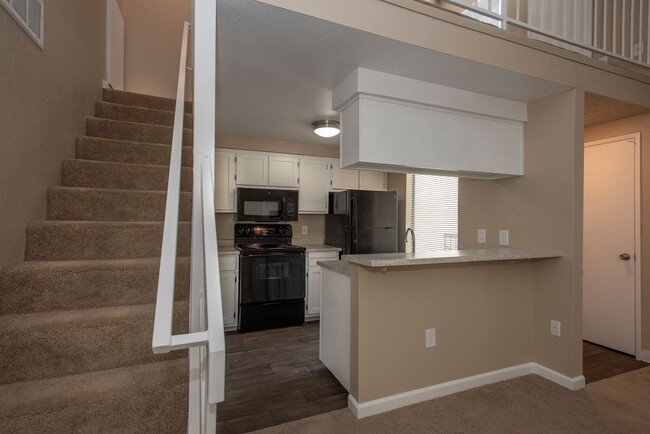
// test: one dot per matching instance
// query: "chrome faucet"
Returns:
(406, 237)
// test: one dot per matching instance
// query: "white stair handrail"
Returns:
(163, 340)
(206, 338)
(216, 340)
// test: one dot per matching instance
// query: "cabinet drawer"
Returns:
(227, 262)
(314, 257)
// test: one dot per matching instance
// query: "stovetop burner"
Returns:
(264, 238)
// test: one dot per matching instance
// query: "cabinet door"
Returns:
(252, 169)
(283, 171)
(229, 297)
(228, 271)
(313, 187)
(224, 181)
(313, 291)
(370, 180)
(344, 179)
(314, 272)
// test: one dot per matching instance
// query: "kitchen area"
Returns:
(272, 229)
(397, 327)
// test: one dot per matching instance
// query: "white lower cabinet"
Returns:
(312, 293)
(228, 270)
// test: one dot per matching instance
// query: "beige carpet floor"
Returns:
(527, 404)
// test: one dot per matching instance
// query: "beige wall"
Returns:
(621, 127)
(542, 209)
(459, 36)
(315, 223)
(152, 44)
(45, 96)
(481, 313)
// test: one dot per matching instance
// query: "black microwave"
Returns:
(266, 205)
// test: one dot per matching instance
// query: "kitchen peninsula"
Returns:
(376, 309)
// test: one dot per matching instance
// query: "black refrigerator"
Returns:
(361, 221)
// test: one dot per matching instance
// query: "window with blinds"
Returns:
(29, 14)
(433, 212)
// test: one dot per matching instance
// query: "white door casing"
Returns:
(611, 285)
(114, 45)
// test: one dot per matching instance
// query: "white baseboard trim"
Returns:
(392, 402)
(645, 355)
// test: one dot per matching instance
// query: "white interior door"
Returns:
(609, 298)
(114, 45)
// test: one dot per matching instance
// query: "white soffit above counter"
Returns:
(369, 82)
(399, 124)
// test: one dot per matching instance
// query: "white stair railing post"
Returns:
(204, 23)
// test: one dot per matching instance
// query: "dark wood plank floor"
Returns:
(273, 377)
(600, 362)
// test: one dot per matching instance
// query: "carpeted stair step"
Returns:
(143, 115)
(120, 176)
(44, 286)
(96, 204)
(68, 241)
(142, 100)
(122, 151)
(133, 131)
(148, 398)
(51, 344)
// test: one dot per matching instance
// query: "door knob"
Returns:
(624, 256)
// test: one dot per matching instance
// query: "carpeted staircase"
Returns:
(76, 317)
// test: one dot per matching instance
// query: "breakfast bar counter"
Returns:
(376, 310)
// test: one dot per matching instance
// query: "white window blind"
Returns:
(29, 14)
(434, 212)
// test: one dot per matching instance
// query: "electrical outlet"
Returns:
(504, 238)
(480, 236)
(430, 338)
(556, 328)
(305, 229)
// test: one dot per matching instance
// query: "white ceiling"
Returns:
(276, 70)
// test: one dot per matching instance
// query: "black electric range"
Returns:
(271, 277)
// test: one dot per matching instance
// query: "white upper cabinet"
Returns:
(314, 186)
(370, 180)
(343, 179)
(252, 169)
(283, 171)
(398, 124)
(224, 181)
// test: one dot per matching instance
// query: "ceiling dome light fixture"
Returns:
(326, 128)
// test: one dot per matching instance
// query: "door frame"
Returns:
(635, 138)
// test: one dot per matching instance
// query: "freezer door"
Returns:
(373, 209)
(374, 241)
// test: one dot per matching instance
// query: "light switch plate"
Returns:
(504, 238)
(556, 328)
(480, 236)
(430, 338)
(305, 229)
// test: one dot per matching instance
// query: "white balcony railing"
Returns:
(602, 29)
(205, 339)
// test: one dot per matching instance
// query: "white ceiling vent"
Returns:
(29, 13)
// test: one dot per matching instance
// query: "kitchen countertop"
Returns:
(451, 257)
(340, 267)
(228, 250)
(319, 248)
(382, 260)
